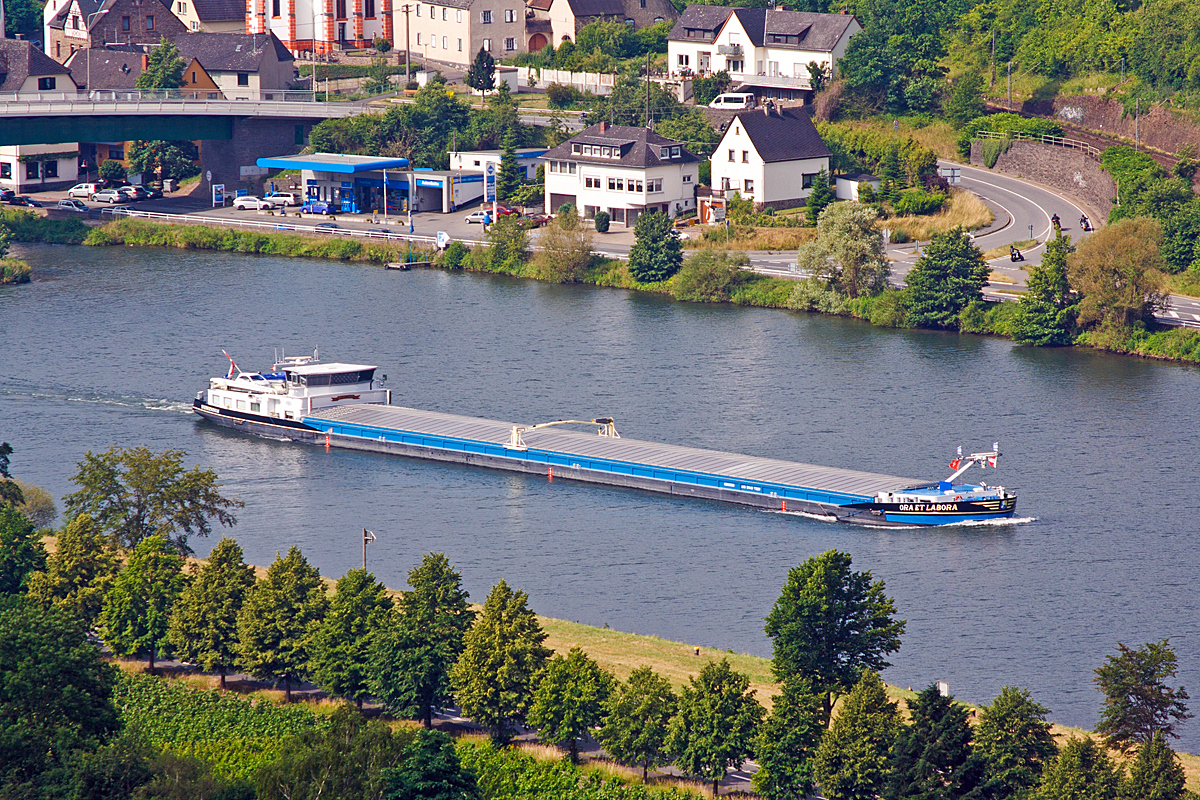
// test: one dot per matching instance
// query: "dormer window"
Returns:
(676, 152)
(577, 149)
(608, 152)
(664, 152)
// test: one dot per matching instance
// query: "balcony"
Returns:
(729, 49)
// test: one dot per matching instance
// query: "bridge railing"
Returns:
(140, 95)
(1041, 138)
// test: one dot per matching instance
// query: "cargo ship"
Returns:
(347, 406)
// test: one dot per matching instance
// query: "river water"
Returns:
(108, 347)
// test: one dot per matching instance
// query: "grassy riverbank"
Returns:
(739, 288)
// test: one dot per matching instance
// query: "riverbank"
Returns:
(737, 287)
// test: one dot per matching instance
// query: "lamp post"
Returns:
(368, 537)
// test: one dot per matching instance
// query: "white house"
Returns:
(764, 50)
(622, 170)
(478, 160)
(27, 73)
(769, 155)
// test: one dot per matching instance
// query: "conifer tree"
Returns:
(431, 770)
(510, 175)
(1082, 771)
(821, 196)
(1014, 738)
(137, 610)
(79, 573)
(495, 676)
(852, 760)
(932, 757)
(716, 724)
(656, 254)
(21, 551)
(275, 622)
(949, 274)
(204, 623)
(1046, 312)
(1156, 773)
(342, 645)
(569, 699)
(788, 741)
(481, 76)
(637, 716)
(418, 643)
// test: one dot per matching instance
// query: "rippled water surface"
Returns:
(110, 345)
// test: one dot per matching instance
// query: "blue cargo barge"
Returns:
(344, 405)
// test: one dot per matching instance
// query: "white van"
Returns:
(733, 101)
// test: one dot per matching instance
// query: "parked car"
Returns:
(318, 207)
(22, 200)
(71, 204)
(134, 193)
(119, 210)
(535, 220)
(84, 190)
(6, 195)
(504, 211)
(480, 215)
(108, 196)
(250, 201)
(288, 198)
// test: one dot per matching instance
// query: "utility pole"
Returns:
(1137, 110)
(993, 83)
(406, 8)
(1010, 85)
(649, 119)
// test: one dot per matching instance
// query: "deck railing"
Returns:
(1041, 138)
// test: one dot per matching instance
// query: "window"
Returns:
(58, 49)
(773, 68)
(629, 21)
(195, 25)
(45, 84)
(368, 8)
(607, 152)
(571, 167)
(213, 96)
(731, 155)
(725, 184)
(687, 178)
(487, 45)
(445, 43)
(635, 186)
(75, 23)
(50, 169)
(243, 79)
(510, 15)
(149, 22)
(733, 66)
(418, 38)
(553, 166)
(510, 44)
(616, 184)
(444, 11)
(654, 185)
(683, 60)
(577, 149)
(31, 169)
(116, 153)
(433, 42)
(486, 16)
(806, 180)
(590, 182)
(418, 9)
(341, 9)
(193, 76)
(6, 170)
(676, 152)
(183, 8)
(749, 186)
(664, 152)
(745, 156)
(458, 18)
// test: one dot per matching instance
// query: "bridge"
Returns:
(127, 115)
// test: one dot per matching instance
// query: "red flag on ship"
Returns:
(955, 463)
(992, 462)
(232, 366)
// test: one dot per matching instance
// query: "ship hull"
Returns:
(256, 424)
(946, 513)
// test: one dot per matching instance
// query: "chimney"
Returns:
(603, 126)
(145, 62)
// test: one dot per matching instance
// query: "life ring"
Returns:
(958, 498)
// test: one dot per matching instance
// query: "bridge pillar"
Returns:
(253, 138)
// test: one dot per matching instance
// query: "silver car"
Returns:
(250, 201)
(108, 196)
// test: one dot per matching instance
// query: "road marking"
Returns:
(1174, 314)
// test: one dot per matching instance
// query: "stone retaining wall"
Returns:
(1069, 172)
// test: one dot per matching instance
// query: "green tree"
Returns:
(509, 177)
(349, 759)
(932, 758)
(829, 624)
(275, 621)
(1046, 312)
(851, 762)
(482, 74)
(710, 276)
(112, 171)
(416, 647)
(203, 627)
(79, 573)
(431, 770)
(656, 253)
(6, 451)
(495, 676)
(1138, 703)
(37, 505)
(569, 700)
(341, 646)
(10, 491)
(565, 248)
(965, 102)
(21, 551)
(612, 37)
(636, 720)
(1156, 774)
(949, 274)
(1118, 270)
(57, 692)
(717, 721)
(692, 129)
(848, 255)
(164, 67)
(508, 246)
(134, 493)
(163, 160)
(1082, 771)
(820, 197)
(1014, 738)
(137, 610)
(788, 741)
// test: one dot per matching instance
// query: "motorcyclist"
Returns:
(1083, 223)
(1056, 222)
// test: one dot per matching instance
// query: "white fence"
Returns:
(594, 82)
(1041, 138)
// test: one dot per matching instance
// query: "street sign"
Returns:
(208, 176)
(489, 184)
(443, 240)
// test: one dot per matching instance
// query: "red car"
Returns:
(502, 211)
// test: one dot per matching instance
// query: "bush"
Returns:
(25, 226)
(559, 96)
(1005, 123)
(453, 256)
(918, 201)
(14, 271)
(602, 220)
(710, 276)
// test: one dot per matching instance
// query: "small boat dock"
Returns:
(600, 457)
